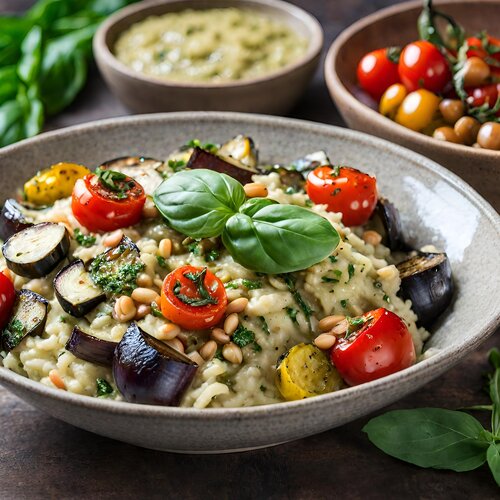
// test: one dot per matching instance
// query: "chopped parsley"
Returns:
(204, 298)
(248, 284)
(196, 143)
(155, 310)
(218, 354)
(344, 302)
(327, 279)
(83, 239)
(62, 319)
(292, 314)
(176, 165)
(243, 336)
(264, 325)
(354, 324)
(333, 258)
(350, 270)
(114, 181)
(289, 280)
(103, 387)
(162, 262)
(13, 334)
(335, 171)
(386, 298)
(211, 255)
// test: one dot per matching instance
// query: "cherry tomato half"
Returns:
(421, 65)
(99, 208)
(345, 190)
(7, 299)
(376, 72)
(383, 345)
(193, 298)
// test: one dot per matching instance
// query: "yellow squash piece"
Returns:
(53, 183)
(305, 371)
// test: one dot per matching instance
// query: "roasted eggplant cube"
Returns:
(12, 219)
(386, 221)
(90, 348)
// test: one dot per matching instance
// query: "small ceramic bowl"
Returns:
(396, 26)
(274, 93)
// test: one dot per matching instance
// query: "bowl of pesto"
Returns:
(228, 55)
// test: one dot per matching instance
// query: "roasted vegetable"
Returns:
(75, 290)
(90, 348)
(386, 221)
(37, 250)
(150, 372)
(28, 318)
(242, 149)
(12, 219)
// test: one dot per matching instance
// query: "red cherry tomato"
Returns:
(193, 298)
(376, 72)
(486, 94)
(345, 190)
(7, 299)
(421, 65)
(476, 48)
(383, 345)
(99, 208)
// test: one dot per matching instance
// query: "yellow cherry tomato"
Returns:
(417, 109)
(53, 183)
(392, 99)
(305, 371)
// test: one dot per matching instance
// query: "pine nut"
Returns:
(328, 322)
(112, 239)
(237, 306)
(158, 282)
(176, 344)
(149, 210)
(232, 353)
(168, 331)
(325, 341)
(372, 238)
(56, 379)
(142, 310)
(165, 248)
(388, 272)
(144, 295)
(195, 356)
(231, 323)
(340, 328)
(144, 280)
(255, 190)
(220, 336)
(124, 309)
(207, 350)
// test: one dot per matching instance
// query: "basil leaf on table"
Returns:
(493, 457)
(31, 49)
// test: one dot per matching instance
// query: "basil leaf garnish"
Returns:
(493, 457)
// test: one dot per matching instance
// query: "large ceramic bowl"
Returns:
(437, 207)
(274, 93)
(396, 26)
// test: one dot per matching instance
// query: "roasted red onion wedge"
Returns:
(90, 348)
(148, 371)
(12, 219)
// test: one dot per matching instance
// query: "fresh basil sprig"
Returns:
(443, 439)
(260, 234)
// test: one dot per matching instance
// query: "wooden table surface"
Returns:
(41, 457)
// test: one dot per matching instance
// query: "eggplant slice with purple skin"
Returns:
(386, 221)
(90, 348)
(75, 290)
(147, 371)
(426, 280)
(37, 250)
(12, 219)
(28, 318)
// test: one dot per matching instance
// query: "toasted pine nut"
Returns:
(231, 323)
(124, 309)
(232, 353)
(325, 341)
(142, 310)
(220, 336)
(144, 295)
(56, 379)
(144, 280)
(112, 239)
(328, 322)
(207, 350)
(340, 328)
(158, 282)
(176, 344)
(168, 331)
(255, 190)
(195, 356)
(372, 237)
(165, 248)
(237, 306)
(149, 210)
(388, 272)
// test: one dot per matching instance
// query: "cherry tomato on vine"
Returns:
(345, 190)
(193, 298)
(417, 109)
(382, 345)
(421, 65)
(376, 72)
(7, 299)
(486, 94)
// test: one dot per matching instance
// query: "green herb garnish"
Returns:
(198, 278)
(264, 325)
(103, 387)
(350, 270)
(304, 306)
(13, 333)
(196, 143)
(333, 259)
(292, 314)
(176, 165)
(344, 302)
(155, 310)
(327, 279)
(211, 255)
(83, 239)
(162, 262)
(243, 336)
(114, 181)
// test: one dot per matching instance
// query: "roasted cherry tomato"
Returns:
(383, 345)
(107, 201)
(421, 65)
(7, 299)
(345, 190)
(193, 298)
(417, 109)
(376, 72)
(486, 94)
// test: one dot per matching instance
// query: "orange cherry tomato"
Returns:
(376, 72)
(345, 190)
(193, 298)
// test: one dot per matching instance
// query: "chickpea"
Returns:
(452, 110)
(446, 134)
(488, 136)
(476, 72)
(466, 129)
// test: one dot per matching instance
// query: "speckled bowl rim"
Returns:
(445, 357)
(315, 39)
(340, 92)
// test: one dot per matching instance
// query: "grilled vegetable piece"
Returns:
(28, 318)
(75, 290)
(305, 371)
(203, 159)
(90, 348)
(426, 280)
(242, 149)
(150, 372)
(53, 183)
(386, 221)
(12, 219)
(37, 250)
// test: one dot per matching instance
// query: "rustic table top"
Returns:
(41, 457)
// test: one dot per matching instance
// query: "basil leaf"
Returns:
(493, 457)
(278, 238)
(31, 49)
(431, 437)
(494, 389)
(198, 203)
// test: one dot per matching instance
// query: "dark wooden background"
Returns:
(41, 457)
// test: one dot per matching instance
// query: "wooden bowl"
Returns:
(397, 25)
(274, 93)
